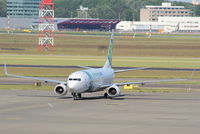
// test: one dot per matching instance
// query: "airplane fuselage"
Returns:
(90, 80)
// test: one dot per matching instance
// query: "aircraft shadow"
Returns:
(93, 98)
(64, 97)
(102, 97)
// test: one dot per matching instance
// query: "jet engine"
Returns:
(61, 89)
(113, 91)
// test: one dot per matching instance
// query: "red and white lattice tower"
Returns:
(46, 25)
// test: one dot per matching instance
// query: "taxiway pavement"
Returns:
(41, 112)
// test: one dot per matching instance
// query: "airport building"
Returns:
(185, 24)
(151, 13)
(88, 24)
(164, 24)
(16, 23)
(23, 8)
(138, 26)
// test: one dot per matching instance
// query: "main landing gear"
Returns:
(76, 96)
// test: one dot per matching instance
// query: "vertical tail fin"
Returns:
(108, 63)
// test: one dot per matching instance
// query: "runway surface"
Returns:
(41, 112)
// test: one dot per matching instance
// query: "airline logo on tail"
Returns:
(108, 63)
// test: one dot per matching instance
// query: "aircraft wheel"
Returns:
(74, 96)
(105, 95)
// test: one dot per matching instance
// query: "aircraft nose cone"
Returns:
(75, 88)
(71, 87)
(77, 82)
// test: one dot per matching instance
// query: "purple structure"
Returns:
(88, 24)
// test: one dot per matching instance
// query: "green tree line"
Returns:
(2, 8)
(106, 9)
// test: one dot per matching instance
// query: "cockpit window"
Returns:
(74, 79)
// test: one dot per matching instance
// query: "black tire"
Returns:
(74, 96)
(106, 95)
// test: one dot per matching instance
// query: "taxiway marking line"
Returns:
(14, 118)
(32, 107)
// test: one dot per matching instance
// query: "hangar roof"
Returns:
(90, 21)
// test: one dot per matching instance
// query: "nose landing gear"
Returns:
(76, 96)
(107, 96)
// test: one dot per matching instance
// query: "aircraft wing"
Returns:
(34, 78)
(125, 70)
(143, 82)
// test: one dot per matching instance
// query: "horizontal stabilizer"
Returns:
(85, 67)
(131, 69)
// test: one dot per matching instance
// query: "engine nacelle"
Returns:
(113, 91)
(61, 89)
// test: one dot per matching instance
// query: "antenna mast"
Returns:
(46, 25)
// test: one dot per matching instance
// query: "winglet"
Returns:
(5, 69)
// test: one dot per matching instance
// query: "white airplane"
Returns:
(92, 79)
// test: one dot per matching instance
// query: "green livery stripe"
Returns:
(87, 74)
(110, 50)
